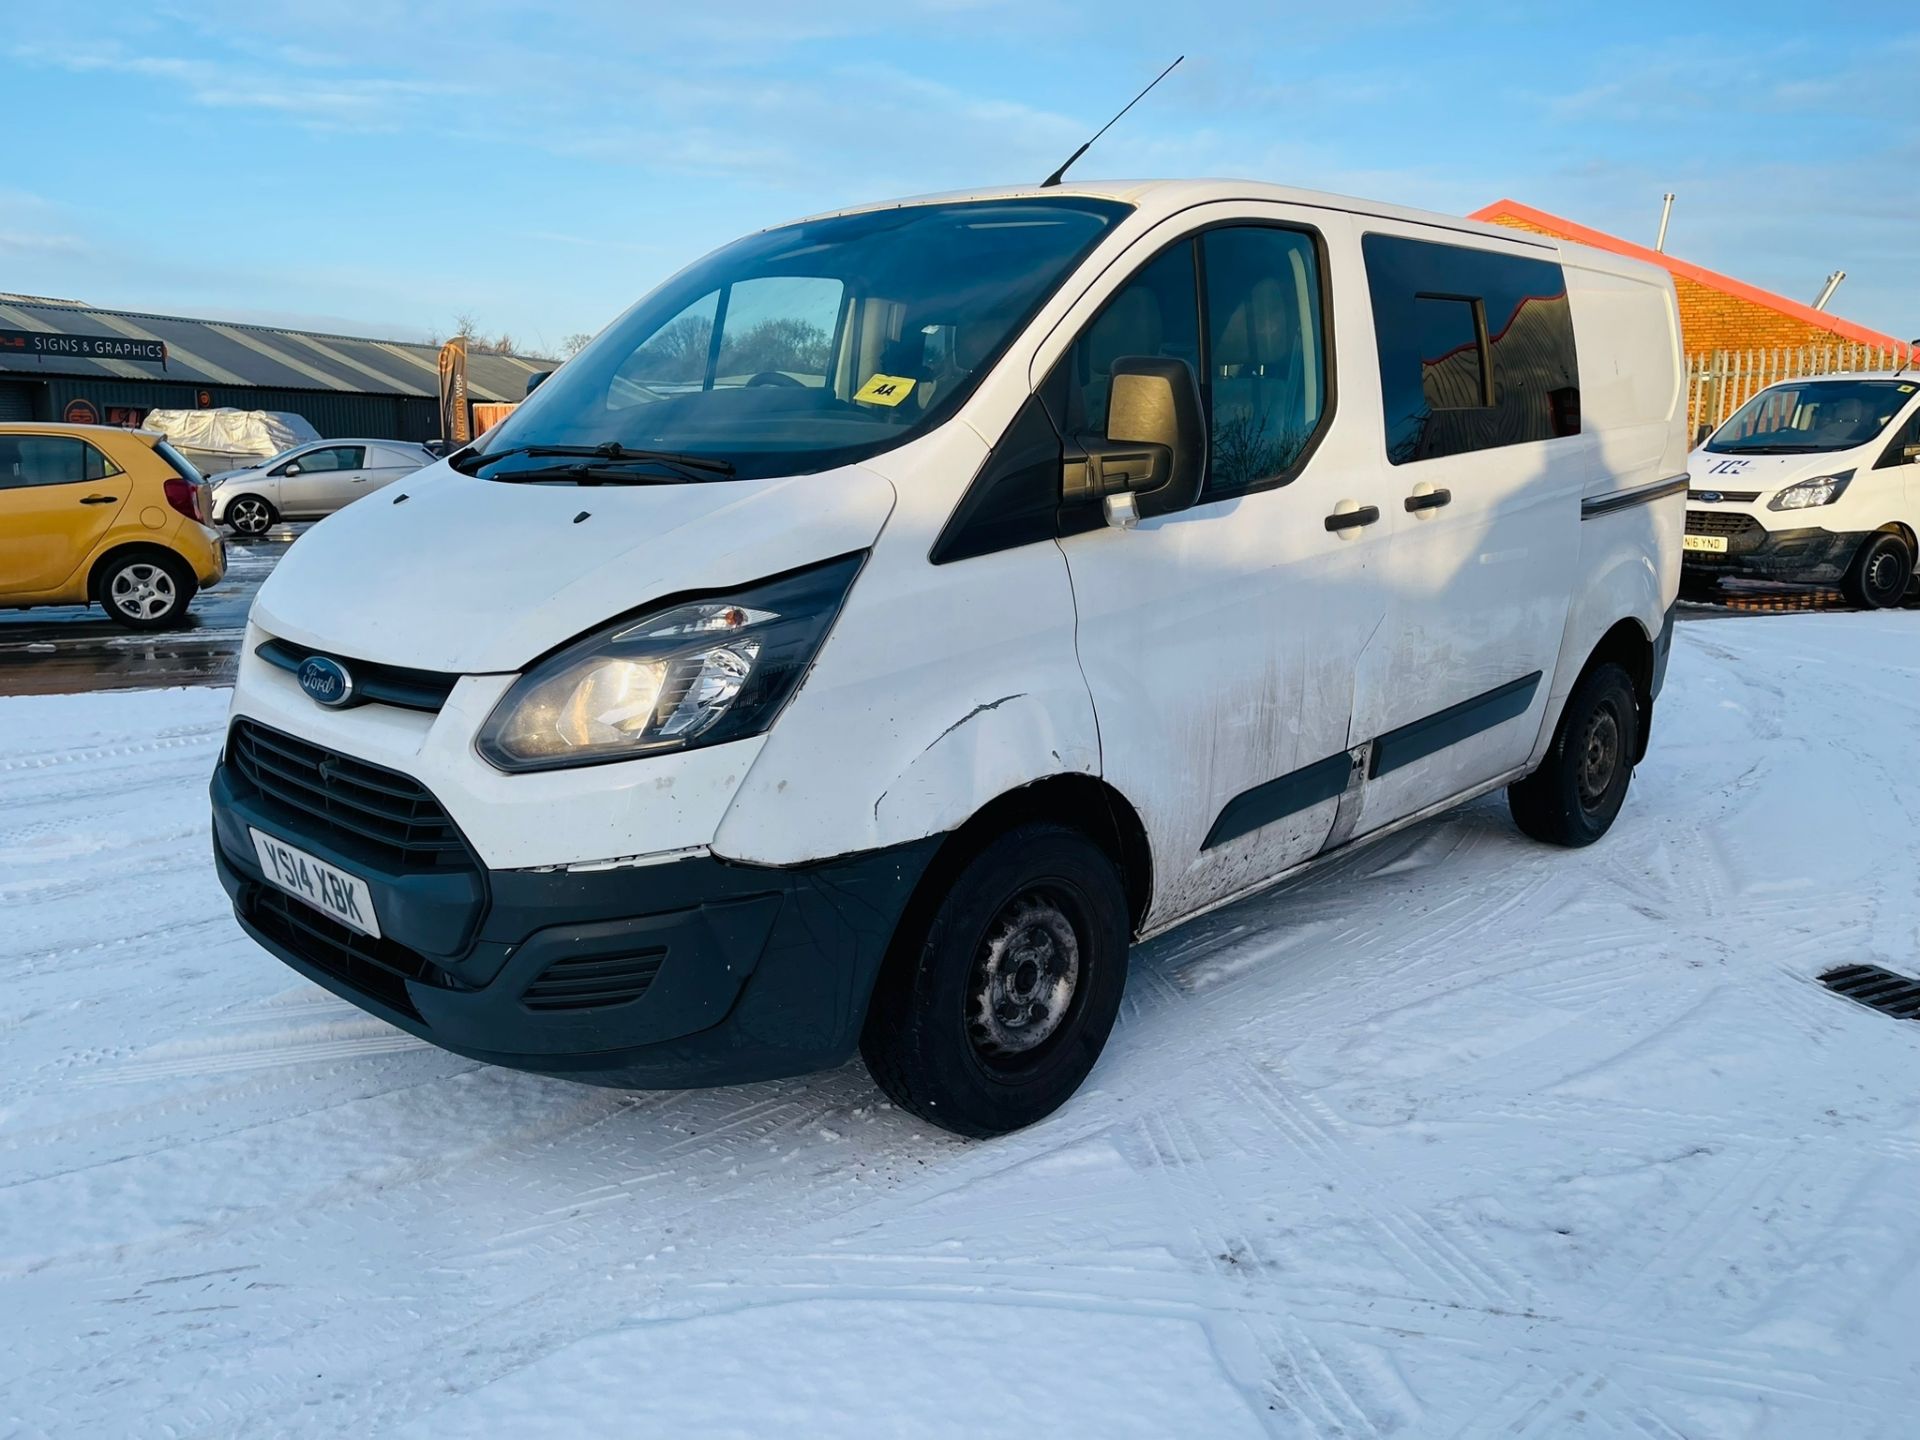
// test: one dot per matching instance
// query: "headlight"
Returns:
(1822, 490)
(701, 672)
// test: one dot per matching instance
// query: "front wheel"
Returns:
(1880, 572)
(990, 1017)
(1573, 797)
(251, 515)
(145, 591)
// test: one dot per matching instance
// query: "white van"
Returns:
(1815, 481)
(899, 612)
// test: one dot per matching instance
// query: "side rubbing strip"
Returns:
(1275, 800)
(1620, 499)
(1453, 724)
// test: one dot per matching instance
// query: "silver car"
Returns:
(310, 480)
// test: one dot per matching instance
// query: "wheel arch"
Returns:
(1082, 802)
(1629, 646)
(129, 549)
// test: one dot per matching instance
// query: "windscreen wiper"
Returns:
(611, 450)
(600, 472)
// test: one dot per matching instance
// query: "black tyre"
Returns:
(1698, 588)
(990, 1016)
(1574, 795)
(145, 589)
(251, 514)
(1880, 573)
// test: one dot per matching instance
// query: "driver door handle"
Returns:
(101, 500)
(1431, 500)
(1348, 519)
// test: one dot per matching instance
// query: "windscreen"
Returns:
(1808, 416)
(813, 345)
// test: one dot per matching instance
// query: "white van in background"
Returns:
(1815, 481)
(899, 612)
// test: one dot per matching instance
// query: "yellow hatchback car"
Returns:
(97, 513)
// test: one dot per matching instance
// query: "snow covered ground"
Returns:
(1462, 1136)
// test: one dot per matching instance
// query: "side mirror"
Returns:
(1912, 452)
(534, 380)
(293, 469)
(1154, 455)
(1700, 434)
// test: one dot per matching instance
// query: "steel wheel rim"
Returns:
(1026, 977)
(144, 591)
(1599, 757)
(1883, 574)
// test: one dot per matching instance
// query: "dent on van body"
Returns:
(940, 687)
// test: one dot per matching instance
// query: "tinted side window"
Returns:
(1156, 313)
(1266, 353)
(50, 460)
(1476, 348)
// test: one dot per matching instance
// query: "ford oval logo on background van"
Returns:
(327, 682)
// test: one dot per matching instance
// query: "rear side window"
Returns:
(181, 466)
(1476, 348)
(28, 460)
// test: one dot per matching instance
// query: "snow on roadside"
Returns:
(1460, 1135)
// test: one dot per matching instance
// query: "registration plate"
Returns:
(332, 892)
(1712, 544)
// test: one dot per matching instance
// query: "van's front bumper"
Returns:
(683, 972)
(1810, 555)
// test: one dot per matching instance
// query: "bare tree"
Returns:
(574, 344)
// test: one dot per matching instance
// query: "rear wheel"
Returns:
(251, 515)
(145, 590)
(990, 1017)
(1573, 797)
(1880, 572)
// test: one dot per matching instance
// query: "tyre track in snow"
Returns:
(1290, 1084)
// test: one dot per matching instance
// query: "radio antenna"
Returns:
(1055, 177)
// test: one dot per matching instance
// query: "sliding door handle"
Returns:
(1353, 519)
(1429, 500)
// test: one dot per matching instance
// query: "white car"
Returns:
(898, 613)
(310, 481)
(1815, 481)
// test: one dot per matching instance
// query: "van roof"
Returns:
(1166, 197)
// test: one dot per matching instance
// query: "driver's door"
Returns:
(317, 481)
(1221, 642)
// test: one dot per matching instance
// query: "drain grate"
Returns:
(1898, 995)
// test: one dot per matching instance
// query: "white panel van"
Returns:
(1813, 481)
(899, 613)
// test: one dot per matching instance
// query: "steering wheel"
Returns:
(774, 377)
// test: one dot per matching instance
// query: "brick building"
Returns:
(1717, 312)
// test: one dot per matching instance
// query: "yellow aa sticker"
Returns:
(884, 390)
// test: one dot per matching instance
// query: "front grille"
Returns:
(378, 969)
(591, 983)
(1720, 522)
(378, 684)
(1726, 497)
(364, 806)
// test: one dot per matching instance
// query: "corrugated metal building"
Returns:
(341, 384)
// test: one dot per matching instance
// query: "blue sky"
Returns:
(379, 166)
